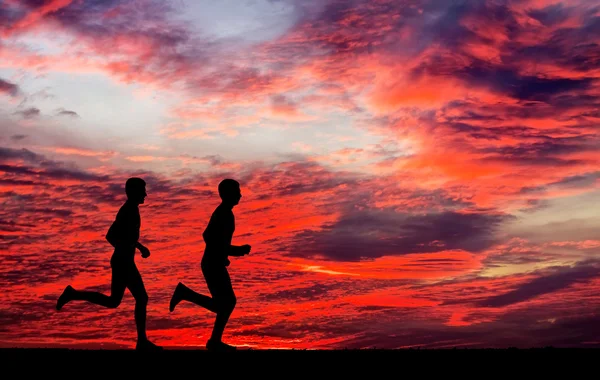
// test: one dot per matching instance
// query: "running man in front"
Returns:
(217, 236)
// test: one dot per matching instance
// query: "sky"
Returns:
(414, 173)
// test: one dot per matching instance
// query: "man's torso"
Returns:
(128, 224)
(218, 235)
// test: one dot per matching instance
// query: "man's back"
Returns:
(125, 230)
(218, 234)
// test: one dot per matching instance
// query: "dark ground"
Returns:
(376, 363)
(446, 364)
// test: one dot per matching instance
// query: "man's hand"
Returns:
(145, 251)
(246, 249)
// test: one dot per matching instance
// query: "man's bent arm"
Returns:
(235, 250)
(218, 241)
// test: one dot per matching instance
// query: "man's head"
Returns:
(135, 188)
(229, 191)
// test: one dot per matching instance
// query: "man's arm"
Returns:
(217, 239)
(238, 250)
(143, 249)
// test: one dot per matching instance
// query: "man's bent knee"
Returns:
(114, 302)
(227, 304)
(141, 298)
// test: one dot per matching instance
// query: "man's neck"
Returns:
(228, 206)
(129, 202)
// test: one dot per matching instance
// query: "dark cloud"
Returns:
(300, 188)
(544, 153)
(214, 160)
(64, 112)
(516, 253)
(19, 316)
(571, 182)
(349, 27)
(8, 15)
(577, 181)
(56, 173)
(282, 103)
(23, 154)
(459, 123)
(312, 292)
(12, 226)
(509, 332)
(29, 113)
(8, 87)
(556, 108)
(552, 14)
(172, 53)
(533, 205)
(76, 16)
(19, 182)
(17, 138)
(375, 233)
(558, 279)
(323, 325)
(303, 177)
(572, 47)
(43, 167)
(466, 117)
(60, 213)
(45, 265)
(363, 27)
(581, 57)
(524, 87)
(98, 334)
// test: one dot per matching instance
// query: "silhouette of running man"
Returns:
(123, 235)
(217, 236)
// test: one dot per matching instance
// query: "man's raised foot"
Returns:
(64, 297)
(176, 298)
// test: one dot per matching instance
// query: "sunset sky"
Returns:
(414, 172)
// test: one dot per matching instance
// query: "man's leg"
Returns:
(219, 284)
(117, 289)
(138, 291)
(183, 293)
